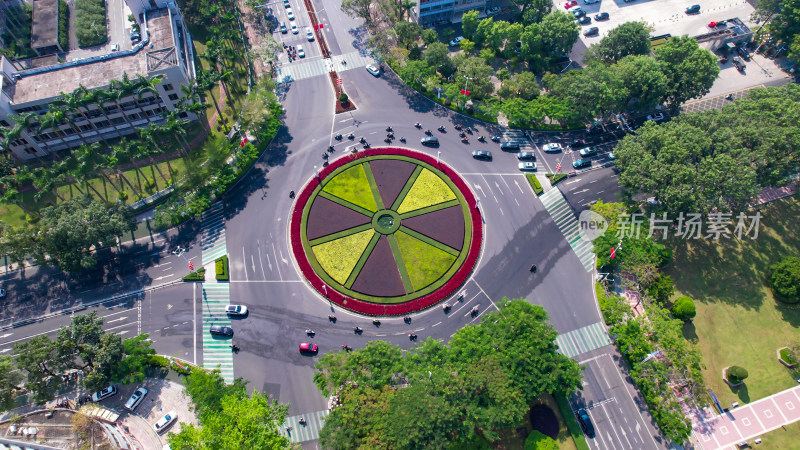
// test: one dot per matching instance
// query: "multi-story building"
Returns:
(433, 12)
(165, 49)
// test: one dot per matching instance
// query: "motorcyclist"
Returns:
(357, 329)
(310, 332)
(533, 267)
(376, 321)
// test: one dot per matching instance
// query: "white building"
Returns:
(165, 49)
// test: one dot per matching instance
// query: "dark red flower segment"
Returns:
(374, 309)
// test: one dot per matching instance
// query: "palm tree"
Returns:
(44, 179)
(73, 103)
(90, 156)
(116, 92)
(146, 85)
(84, 167)
(26, 121)
(52, 120)
(206, 80)
(112, 162)
(175, 126)
(5, 143)
(144, 150)
(98, 98)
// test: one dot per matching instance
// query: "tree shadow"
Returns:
(742, 393)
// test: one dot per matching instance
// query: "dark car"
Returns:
(601, 16)
(743, 52)
(284, 30)
(526, 156)
(594, 31)
(432, 141)
(694, 9)
(578, 143)
(135, 37)
(577, 12)
(586, 422)
(585, 20)
(509, 146)
(485, 155)
(221, 330)
(582, 163)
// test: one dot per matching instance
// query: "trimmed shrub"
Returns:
(555, 177)
(90, 22)
(197, 275)
(181, 370)
(221, 267)
(537, 187)
(684, 309)
(737, 374)
(63, 25)
(158, 361)
(662, 288)
(343, 97)
(539, 441)
(789, 356)
(785, 279)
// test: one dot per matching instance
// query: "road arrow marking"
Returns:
(117, 320)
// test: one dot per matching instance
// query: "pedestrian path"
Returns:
(562, 214)
(583, 340)
(212, 239)
(317, 67)
(295, 432)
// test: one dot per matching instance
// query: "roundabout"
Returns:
(386, 231)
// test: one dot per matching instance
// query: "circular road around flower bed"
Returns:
(386, 231)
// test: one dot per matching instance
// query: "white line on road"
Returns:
(573, 181)
(120, 326)
(278, 266)
(437, 323)
(117, 320)
(244, 260)
(261, 259)
(6, 335)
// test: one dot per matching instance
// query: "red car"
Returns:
(570, 4)
(306, 347)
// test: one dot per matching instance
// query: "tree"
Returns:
(662, 288)
(785, 279)
(615, 309)
(421, 420)
(468, 46)
(646, 85)
(207, 389)
(136, 353)
(539, 441)
(475, 74)
(559, 33)
(785, 14)
(690, 69)
(407, 33)
(540, 7)
(737, 374)
(358, 9)
(593, 91)
(429, 36)
(10, 378)
(436, 55)
(630, 38)
(684, 309)
(522, 85)
(469, 23)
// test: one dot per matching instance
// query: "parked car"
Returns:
(286, 4)
(570, 4)
(307, 347)
(526, 156)
(694, 9)
(527, 166)
(591, 2)
(578, 143)
(552, 147)
(221, 330)
(594, 31)
(657, 117)
(582, 163)
(295, 30)
(115, 48)
(456, 40)
(584, 20)
(611, 156)
(300, 52)
(485, 155)
(236, 310)
(743, 52)
(492, 11)
(601, 16)
(104, 394)
(290, 13)
(509, 146)
(578, 12)
(588, 151)
(284, 30)
(739, 63)
(165, 421)
(431, 141)
(373, 70)
(309, 34)
(136, 399)
(136, 37)
(586, 422)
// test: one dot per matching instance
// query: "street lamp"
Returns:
(466, 79)
(438, 154)
(316, 172)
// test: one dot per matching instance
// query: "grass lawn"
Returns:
(785, 437)
(428, 189)
(738, 321)
(339, 257)
(352, 185)
(424, 262)
(12, 215)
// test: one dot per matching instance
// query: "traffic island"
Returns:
(343, 102)
(386, 231)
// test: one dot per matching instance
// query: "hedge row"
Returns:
(373, 309)
(63, 26)
(197, 275)
(221, 266)
(555, 177)
(537, 187)
(90, 22)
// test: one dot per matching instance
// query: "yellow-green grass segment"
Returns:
(424, 263)
(413, 295)
(352, 186)
(428, 189)
(339, 257)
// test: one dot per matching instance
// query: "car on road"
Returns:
(236, 310)
(104, 394)
(743, 52)
(485, 155)
(527, 166)
(585, 20)
(456, 40)
(591, 2)
(526, 156)
(295, 30)
(492, 11)
(570, 4)
(284, 30)
(582, 163)
(373, 70)
(136, 37)
(586, 422)
(165, 421)
(509, 146)
(739, 64)
(601, 16)
(115, 48)
(290, 13)
(552, 147)
(307, 347)
(578, 12)
(657, 117)
(432, 141)
(578, 143)
(309, 34)
(588, 151)
(221, 330)
(286, 4)
(136, 399)
(694, 9)
(594, 31)
(300, 52)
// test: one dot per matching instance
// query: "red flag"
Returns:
(320, 26)
(464, 92)
(244, 141)
(191, 265)
(613, 252)
(558, 169)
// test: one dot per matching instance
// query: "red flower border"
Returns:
(374, 309)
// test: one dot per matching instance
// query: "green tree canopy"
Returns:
(522, 85)
(469, 23)
(630, 38)
(644, 81)
(785, 279)
(10, 379)
(429, 36)
(690, 69)
(407, 33)
(684, 309)
(662, 288)
(540, 441)
(737, 374)
(559, 33)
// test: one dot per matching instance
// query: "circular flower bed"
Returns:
(386, 231)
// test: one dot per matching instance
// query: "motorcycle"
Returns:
(235, 348)
(446, 307)
(301, 421)
(441, 128)
(729, 97)
(482, 138)
(362, 140)
(291, 194)
(324, 156)
(388, 128)
(332, 318)
(347, 348)
(533, 268)
(387, 140)
(351, 136)
(376, 322)
(310, 332)
(403, 139)
(390, 135)
(475, 311)
(462, 134)
(461, 297)
(418, 125)
(457, 127)
(366, 145)
(412, 336)
(469, 130)
(495, 138)
(465, 140)
(428, 132)
(407, 319)
(357, 329)
(338, 137)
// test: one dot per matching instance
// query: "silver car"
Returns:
(136, 399)
(236, 310)
(373, 70)
(552, 147)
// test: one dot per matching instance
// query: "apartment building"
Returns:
(433, 12)
(165, 49)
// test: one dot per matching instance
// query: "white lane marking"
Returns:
(117, 320)
(244, 258)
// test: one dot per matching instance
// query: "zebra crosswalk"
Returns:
(562, 215)
(212, 240)
(316, 67)
(523, 141)
(216, 350)
(583, 340)
(297, 432)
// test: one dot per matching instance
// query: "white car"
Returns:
(136, 399)
(373, 70)
(309, 34)
(165, 421)
(552, 147)
(290, 13)
(611, 156)
(300, 52)
(492, 11)
(236, 310)
(115, 48)
(456, 41)
(104, 394)
(295, 30)
(657, 117)
(527, 165)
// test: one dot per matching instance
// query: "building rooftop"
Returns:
(44, 32)
(158, 53)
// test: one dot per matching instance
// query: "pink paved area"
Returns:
(747, 422)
